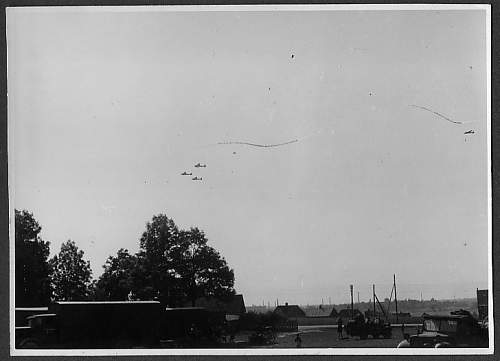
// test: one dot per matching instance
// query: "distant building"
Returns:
(482, 303)
(321, 311)
(233, 308)
(289, 311)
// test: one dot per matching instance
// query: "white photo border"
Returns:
(255, 352)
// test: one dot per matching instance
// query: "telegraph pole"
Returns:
(374, 301)
(352, 303)
(396, 298)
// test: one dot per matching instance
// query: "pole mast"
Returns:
(374, 310)
(396, 298)
(352, 304)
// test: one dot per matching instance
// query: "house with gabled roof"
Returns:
(289, 311)
(321, 311)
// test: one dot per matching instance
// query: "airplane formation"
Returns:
(195, 178)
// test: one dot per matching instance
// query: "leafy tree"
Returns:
(71, 274)
(118, 279)
(31, 267)
(172, 265)
(203, 272)
(177, 266)
(157, 260)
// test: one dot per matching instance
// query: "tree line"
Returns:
(173, 266)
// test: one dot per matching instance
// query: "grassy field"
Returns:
(326, 337)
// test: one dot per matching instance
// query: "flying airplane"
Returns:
(186, 173)
(196, 179)
(469, 132)
(198, 165)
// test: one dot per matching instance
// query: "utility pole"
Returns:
(352, 303)
(374, 301)
(396, 298)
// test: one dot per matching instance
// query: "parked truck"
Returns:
(22, 314)
(192, 327)
(93, 325)
(364, 328)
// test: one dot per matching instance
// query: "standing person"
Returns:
(298, 341)
(339, 328)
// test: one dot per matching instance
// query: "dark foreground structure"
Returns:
(93, 325)
(129, 324)
(148, 324)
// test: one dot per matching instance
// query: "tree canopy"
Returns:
(172, 265)
(119, 277)
(71, 274)
(31, 266)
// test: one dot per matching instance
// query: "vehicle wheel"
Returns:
(376, 335)
(363, 336)
(29, 343)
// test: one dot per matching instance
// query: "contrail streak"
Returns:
(260, 145)
(438, 114)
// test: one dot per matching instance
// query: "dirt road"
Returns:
(326, 337)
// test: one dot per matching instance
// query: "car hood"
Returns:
(431, 334)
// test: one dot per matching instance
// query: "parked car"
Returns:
(457, 329)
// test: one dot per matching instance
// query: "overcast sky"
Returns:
(107, 108)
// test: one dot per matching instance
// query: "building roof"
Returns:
(449, 316)
(322, 311)
(233, 306)
(347, 312)
(103, 302)
(290, 311)
(32, 309)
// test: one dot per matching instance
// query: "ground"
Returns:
(326, 337)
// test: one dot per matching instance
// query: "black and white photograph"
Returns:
(250, 180)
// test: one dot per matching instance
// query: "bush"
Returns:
(252, 320)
